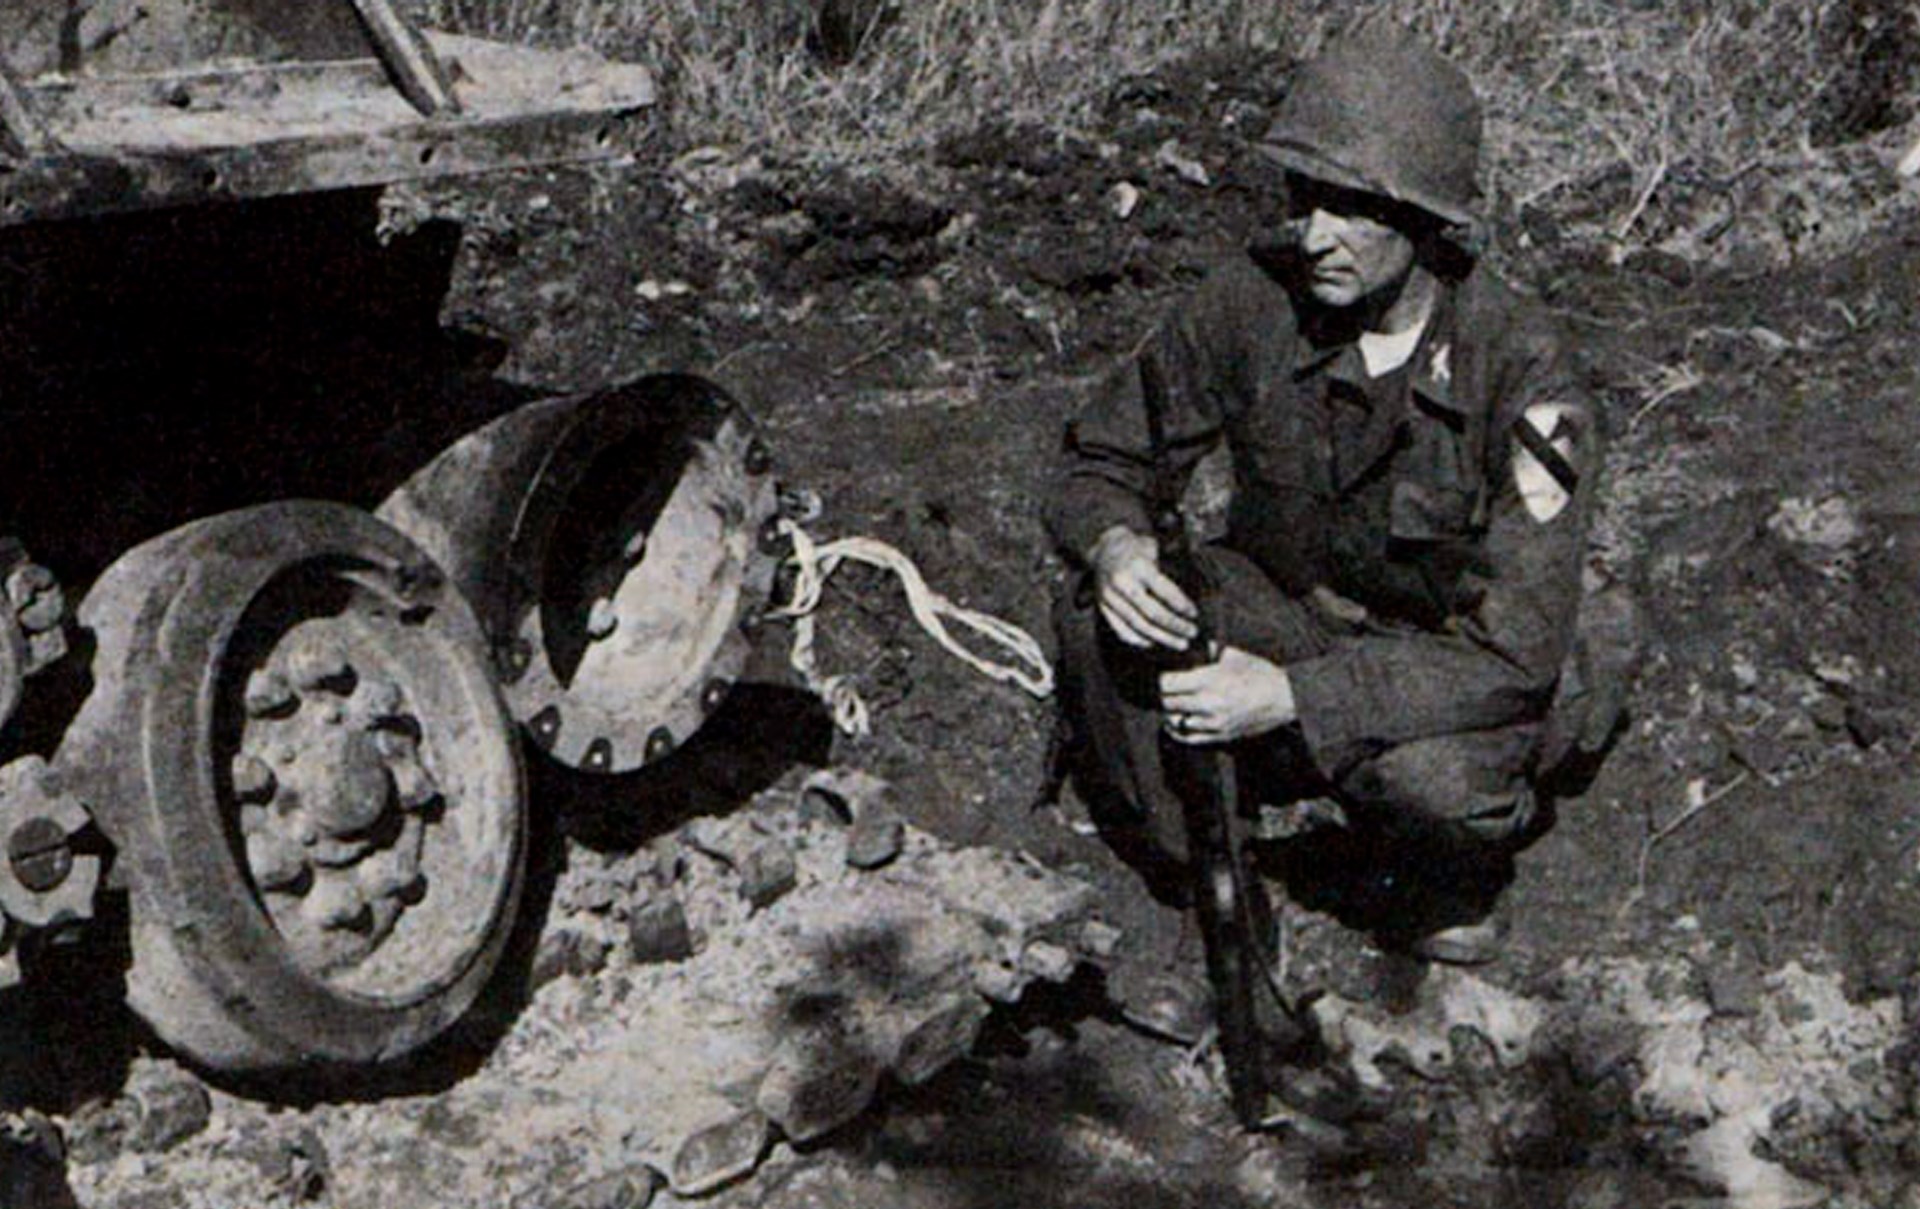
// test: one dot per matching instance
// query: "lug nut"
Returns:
(712, 696)
(397, 868)
(268, 694)
(336, 904)
(759, 458)
(275, 864)
(333, 852)
(599, 755)
(383, 698)
(253, 781)
(321, 665)
(413, 785)
(394, 744)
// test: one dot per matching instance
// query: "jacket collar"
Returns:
(1333, 349)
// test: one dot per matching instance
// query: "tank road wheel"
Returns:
(616, 547)
(295, 743)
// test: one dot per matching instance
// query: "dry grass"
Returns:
(1647, 121)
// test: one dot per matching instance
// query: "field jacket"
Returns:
(1393, 501)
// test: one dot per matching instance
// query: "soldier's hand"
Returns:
(1141, 604)
(1237, 696)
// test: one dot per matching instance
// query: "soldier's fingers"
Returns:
(1122, 626)
(1186, 686)
(1146, 618)
(1169, 595)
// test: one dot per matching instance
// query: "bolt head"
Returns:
(412, 582)
(660, 744)
(772, 541)
(602, 619)
(546, 725)
(514, 656)
(253, 781)
(40, 854)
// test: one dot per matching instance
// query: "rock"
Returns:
(669, 861)
(710, 837)
(998, 981)
(98, 1130)
(565, 951)
(1044, 959)
(658, 932)
(1870, 725)
(1123, 199)
(1829, 524)
(875, 838)
(720, 1153)
(632, 1188)
(767, 873)
(172, 1107)
(596, 893)
(1100, 939)
(303, 1170)
(1829, 712)
(944, 1036)
(844, 794)
(1171, 157)
(818, 1082)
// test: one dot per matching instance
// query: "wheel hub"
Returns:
(335, 799)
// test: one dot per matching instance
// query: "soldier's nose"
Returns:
(1321, 233)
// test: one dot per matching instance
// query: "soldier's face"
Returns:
(1352, 252)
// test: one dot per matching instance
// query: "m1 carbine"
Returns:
(1251, 1016)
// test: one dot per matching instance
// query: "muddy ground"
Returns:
(1711, 975)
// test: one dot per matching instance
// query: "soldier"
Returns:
(1413, 468)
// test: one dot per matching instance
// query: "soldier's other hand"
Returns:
(1140, 603)
(1237, 696)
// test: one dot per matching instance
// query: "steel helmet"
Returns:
(1381, 111)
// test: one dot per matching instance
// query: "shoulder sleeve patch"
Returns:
(1543, 469)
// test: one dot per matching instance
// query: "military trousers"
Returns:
(1456, 797)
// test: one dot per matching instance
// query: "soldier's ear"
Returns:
(1450, 249)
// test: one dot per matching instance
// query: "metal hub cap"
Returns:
(609, 540)
(335, 800)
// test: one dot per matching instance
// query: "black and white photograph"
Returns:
(959, 604)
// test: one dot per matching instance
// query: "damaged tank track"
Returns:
(294, 747)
